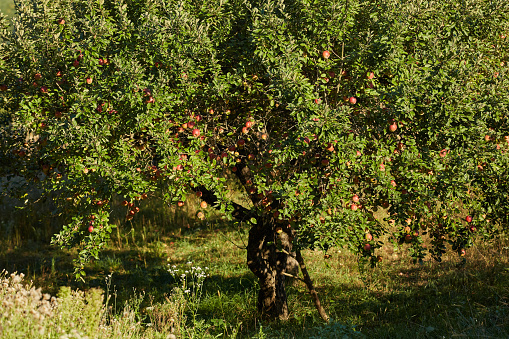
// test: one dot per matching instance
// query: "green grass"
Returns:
(398, 299)
(7, 7)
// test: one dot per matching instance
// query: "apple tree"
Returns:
(323, 111)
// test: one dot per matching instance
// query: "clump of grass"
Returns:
(26, 312)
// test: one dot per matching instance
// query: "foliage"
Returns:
(323, 111)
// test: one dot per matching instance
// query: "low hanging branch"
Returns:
(311, 288)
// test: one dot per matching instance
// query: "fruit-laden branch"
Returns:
(239, 212)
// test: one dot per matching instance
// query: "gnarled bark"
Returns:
(268, 263)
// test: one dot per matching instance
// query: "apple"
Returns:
(150, 100)
(264, 136)
(325, 162)
(326, 54)
(3, 88)
(355, 198)
(463, 252)
(233, 169)
(125, 203)
(199, 194)
(191, 124)
(180, 203)
(101, 62)
(44, 89)
(241, 142)
(200, 215)
(468, 218)
(352, 100)
(76, 63)
(250, 157)
(370, 75)
(90, 229)
(198, 118)
(393, 183)
(249, 124)
(203, 204)
(369, 237)
(353, 207)
(393, 127)
(88, 80)
(58, 114)
(196, 132)
(245, 130)
(59, 74)
(318, 101)
(358, 153)
(61, 21)
(37, 76)
(367, 247)
(329, 147)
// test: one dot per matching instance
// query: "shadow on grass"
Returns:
(396, 300)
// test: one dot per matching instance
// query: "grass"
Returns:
(7, 7)
(398, 299)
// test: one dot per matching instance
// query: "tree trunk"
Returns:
(267, 261)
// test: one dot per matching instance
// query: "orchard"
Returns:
(323, 113)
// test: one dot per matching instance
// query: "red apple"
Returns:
(196, 132)
(125, 203)
(241, 142)
(367, 247)
(355, 198)
(38, 76)
(245, 130)
(393, 183)
(352, 100)
(393, 127)
(250, 157)
(76, 63)
(370, 75)
(325, 162)
(88, 80)
(203, 204)
(44, 89)
(180, 203)
(61, 21)
(468, 218)
(90, 229)
(369, 237)
(249, 124)
(191, 124)
(198, 118)
(326, 54)
(353, 207)
(264, 136)
(59, 74)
